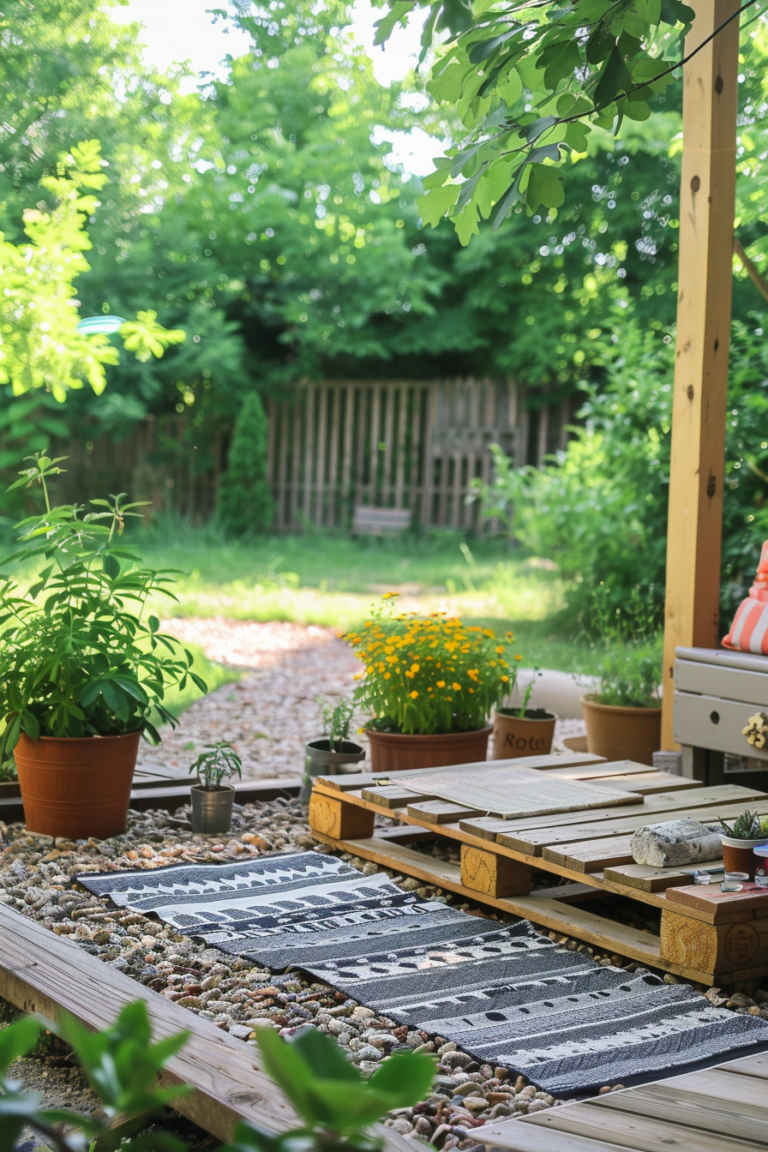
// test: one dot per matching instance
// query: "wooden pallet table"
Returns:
(702, 937)
(721, 1109)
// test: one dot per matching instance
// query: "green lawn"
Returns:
(332, 580)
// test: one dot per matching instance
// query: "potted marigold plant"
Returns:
(84, 667)
(429, 684)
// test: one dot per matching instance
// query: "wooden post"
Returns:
(707, 194)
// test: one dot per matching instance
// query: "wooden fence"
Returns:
(399, 444)
(332, 446)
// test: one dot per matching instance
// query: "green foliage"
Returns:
(628, 640)
(219, 761)
(747, 826)
(329, 1093)
(121, 1064)
(529, 83)
(245, 497)
(80, 654)
(336, 721)
(40, 346)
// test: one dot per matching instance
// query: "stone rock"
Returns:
(675, 842)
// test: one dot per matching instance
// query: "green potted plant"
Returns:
(333, 753)
(523, 731)
(84, 668)
(740, 838)
(211, 800)
(623, 713)
(337, 1105)
(429, 684)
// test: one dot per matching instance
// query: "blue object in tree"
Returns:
(103, 325)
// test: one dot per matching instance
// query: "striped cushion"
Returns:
(749, 631)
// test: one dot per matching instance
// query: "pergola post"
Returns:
(707, 195)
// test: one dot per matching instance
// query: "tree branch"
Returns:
(759, 281)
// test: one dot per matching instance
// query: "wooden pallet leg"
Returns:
(722, 950)
(342, 821)
(493, 875)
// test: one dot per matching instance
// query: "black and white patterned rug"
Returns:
(506, 995)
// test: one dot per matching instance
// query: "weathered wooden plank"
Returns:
(592, 855)
(356, 780)
(678, 1105)
(651, 783)
(697, 464)
(438, 811)
(654, 879)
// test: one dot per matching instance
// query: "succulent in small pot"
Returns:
(84, 668)
(740, 838)
(334, 753)
(211, 800)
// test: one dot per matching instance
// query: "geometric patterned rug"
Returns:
(506, 995)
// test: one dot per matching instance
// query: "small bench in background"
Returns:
(369, 521)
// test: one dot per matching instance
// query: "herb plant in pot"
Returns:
(739, 840)
(333, 753)
(523, 731)
(211, 800)
(623, 714)
(429, 685)
(84, 668)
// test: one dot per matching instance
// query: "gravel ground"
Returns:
(238, 995)
(268, 717)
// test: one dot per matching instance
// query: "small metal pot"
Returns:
(212, 811)
(321, 761)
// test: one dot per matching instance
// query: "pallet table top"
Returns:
(589, 846)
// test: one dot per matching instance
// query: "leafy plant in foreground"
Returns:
(335, 1103)
(121, 1064)
(80, 654)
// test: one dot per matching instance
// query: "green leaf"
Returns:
(17, 1040)
(434, 205)
(559, 60)
(614, 80)
(286, 1067)
(322, 1056)
(405, 1076)
(545, 186)
(386, 26)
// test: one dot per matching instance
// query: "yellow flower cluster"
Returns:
(429, 674)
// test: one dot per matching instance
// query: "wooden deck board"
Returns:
(43, 972)
(719, 1109)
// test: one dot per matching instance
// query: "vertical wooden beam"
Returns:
(707, 194)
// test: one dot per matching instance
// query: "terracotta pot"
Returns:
(77, 788)
(739, 855)
(619, 733)
(396, 752)
(515, 735)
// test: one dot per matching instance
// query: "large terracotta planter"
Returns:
(396, 752)
(622, 733)
(77, 788)
(515, 735)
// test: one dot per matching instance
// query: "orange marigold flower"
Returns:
(500, 649)
(413, 694)
(505, 679)
(518, 657)
(441, 683)
(387, 675)
(456, 687)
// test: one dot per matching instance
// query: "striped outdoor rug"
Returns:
(506, 995)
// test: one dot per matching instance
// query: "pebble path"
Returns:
(36, 878)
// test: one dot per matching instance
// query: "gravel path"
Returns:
(238, 995)
(268, 717)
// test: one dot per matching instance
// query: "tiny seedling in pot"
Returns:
(212, 800)
(333, 753)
